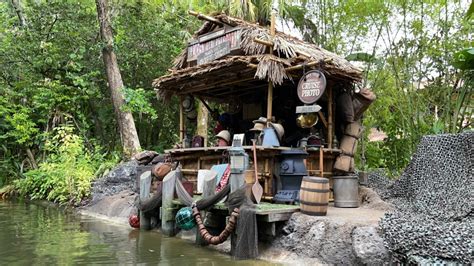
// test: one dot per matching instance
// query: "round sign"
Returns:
(311, 86)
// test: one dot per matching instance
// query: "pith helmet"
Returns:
(225, 135)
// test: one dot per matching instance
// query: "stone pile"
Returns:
(433, 221)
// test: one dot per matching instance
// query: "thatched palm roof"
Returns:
(224, 75)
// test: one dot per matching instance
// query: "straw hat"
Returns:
(260, 120)
(225, 135)
(279, 129)
(258, 127)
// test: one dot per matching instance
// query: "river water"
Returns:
(31, 234)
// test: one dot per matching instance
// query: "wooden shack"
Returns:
(256, 70)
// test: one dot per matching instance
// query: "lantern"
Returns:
(238, 160)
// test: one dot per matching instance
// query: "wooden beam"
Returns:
(181, 120)
(303, 54)
(204, 17)
(330, 118)
(310, 64)
(323, 119)
(260, 41)
(321, 161)
(215, 85)
(270, 84)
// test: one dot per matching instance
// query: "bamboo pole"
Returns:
(260, 41)
(323, 119)
(204, 17)
(310, 64)
(330, 118)
(270, 84)
(181, 120)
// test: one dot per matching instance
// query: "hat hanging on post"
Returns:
(258, 127)
(260, 120)
(279, 130)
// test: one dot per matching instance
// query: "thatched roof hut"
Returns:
(246, 66)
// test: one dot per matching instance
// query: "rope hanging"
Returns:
(211, 239)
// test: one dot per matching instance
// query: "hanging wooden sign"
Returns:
(311, 86)
(212, 40)
(214, 53)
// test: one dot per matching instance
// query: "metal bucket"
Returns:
(346, 191)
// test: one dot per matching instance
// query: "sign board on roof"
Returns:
(207, 42)
(311, 86)
(214, 53)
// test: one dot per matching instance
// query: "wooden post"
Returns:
(181, 121)
(330, 119)
(270, 84)
(167, 214)
(321, 161)
(208, 190)
(145, 184)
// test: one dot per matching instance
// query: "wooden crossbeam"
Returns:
(204, 17)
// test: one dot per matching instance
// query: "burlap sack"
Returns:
(160, 170)
(344, 163)
(361, 102)
(348, 145)
(354, 129)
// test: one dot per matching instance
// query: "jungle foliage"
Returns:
(417, 57)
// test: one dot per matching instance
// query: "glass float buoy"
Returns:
(185, 219)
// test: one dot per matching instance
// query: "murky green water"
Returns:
(35, 235)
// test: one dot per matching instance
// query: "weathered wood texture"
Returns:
(145, 185)
(168, 226)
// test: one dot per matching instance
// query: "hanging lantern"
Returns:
(185, 219)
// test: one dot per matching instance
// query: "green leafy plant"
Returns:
(66, 175)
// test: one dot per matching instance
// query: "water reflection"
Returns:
(32, 234)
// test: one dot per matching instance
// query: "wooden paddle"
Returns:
(257, 190)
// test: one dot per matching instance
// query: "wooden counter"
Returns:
(194, 159)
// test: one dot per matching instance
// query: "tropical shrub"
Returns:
(67, 172)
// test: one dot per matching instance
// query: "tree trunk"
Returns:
(128, 132)
(19, 12)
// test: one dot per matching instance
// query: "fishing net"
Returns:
(434, 199)
(245, 237)
(202, 204)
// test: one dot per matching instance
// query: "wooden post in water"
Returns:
(145, 184)
(168, 226)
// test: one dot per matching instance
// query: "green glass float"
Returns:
(185, 219)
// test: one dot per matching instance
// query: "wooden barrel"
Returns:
(314, 195)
